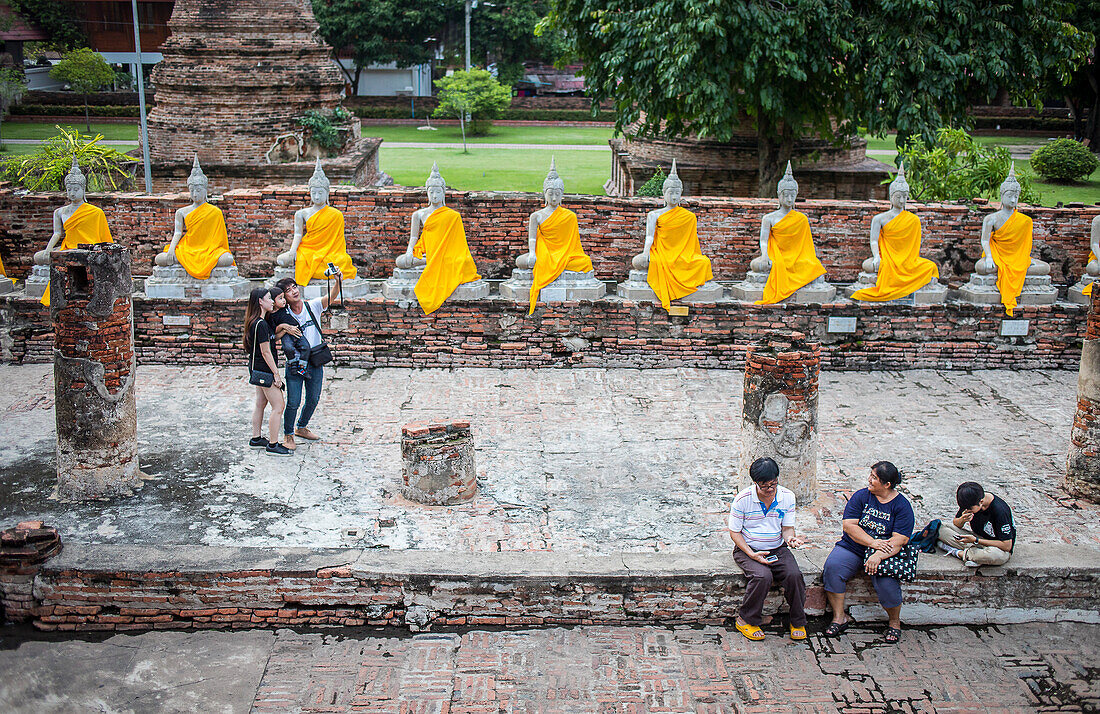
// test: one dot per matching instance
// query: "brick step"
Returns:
(115, 587)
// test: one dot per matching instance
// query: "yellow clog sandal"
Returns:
(751, 632)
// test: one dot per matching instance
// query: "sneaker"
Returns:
(972, 564)
(257, 442)
(277, 450)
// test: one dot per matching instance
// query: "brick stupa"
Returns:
(235, 78)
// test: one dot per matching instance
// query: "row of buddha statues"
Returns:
(437, 264)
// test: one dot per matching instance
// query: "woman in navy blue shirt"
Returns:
(877, 519)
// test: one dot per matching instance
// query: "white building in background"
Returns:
(389, 80)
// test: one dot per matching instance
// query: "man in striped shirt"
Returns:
(761, 524)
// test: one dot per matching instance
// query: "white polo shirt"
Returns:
(762, 527)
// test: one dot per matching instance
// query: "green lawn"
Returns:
(44, 130)
(486, 169)
(496, 135)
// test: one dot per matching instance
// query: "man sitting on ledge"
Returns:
(761, 524)
(992, 532)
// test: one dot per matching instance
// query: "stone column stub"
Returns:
(438, 463)
(779, 417)
(1083, 462)
(91, 312)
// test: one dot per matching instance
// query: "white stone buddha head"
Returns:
(553, 187)
(319, 186)
(75, 183)
(436, 187)
(673, 188)
(1010, 189)
(899, 189)
(787, 189)
(197, 184)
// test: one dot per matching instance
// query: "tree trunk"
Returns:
(1092, 126)
(87, 120)
(462, 125)
(358, 71)
(772, 156)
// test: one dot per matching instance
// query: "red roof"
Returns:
(20, 30)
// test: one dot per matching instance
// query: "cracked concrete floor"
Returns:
(583, 460)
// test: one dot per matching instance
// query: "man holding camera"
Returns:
(306, 377)
(761, 524)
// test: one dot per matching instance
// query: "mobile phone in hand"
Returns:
(771, 558)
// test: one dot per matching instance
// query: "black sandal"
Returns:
(836, 629)
(893, 635)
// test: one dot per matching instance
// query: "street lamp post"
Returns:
(469, 5)
(141, 102)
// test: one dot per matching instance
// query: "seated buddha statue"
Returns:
(787, 253)
(438, 251)
(674, 264)
(1006, 256)
(200, 241)
(554, 248)
(318, 237)
(1082, 291)
(74, 224)
(895, 264)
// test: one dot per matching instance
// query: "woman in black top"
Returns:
(263, 360)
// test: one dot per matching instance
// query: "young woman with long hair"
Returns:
(263, 365)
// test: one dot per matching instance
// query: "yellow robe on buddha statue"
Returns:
(794, 260)
(204, 242)
(87, 225)
(4, 273)
(901, 270)
(1011, 248)
(557, 249)
(1086, 291)
(677, 267)
(323, 243)
(449, 261)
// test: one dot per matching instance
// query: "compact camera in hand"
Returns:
(331, 270)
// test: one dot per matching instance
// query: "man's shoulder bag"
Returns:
(321, 354)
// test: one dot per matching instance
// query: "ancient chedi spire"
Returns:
(235, 76)
(673, 181)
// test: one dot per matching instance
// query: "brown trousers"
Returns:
(760, 578)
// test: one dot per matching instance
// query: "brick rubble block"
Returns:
(438, 463)
(22, 550)
(126, 588)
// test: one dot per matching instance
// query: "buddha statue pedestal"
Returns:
(352, 288)
(751, 289)
(172, 281)
(1038, 288)
(568, 286)
(35, 284)
(1077, 291)
(401, 287)
(637, 289)
(933, 293)
(7, 286)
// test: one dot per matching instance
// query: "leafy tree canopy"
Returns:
(475, 93)
(503, 31)
(810, 67)
(85, 71)
(56, 18)
(382, 31)
(1082, 91)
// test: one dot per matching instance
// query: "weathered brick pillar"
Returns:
(22, 550)
(780, 410)
(1083, 464)
(438, 461)
(93, 326)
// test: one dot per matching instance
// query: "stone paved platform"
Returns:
(1006, 669)
(582, 460)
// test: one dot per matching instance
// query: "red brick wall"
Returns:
(497, 333)
(260, 226)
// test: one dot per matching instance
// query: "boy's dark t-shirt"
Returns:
(261, 333)
(880, 520)
(282, 316)
(995, 522)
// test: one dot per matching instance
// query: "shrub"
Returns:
(654, 186)
(320, 128)
(476, 93)
(1064, 161)
(105, 168)
(63, 110)
(956, 167)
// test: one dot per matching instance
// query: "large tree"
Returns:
(503, 31)
(1082, 91)
(809, 67)
(381, 31)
